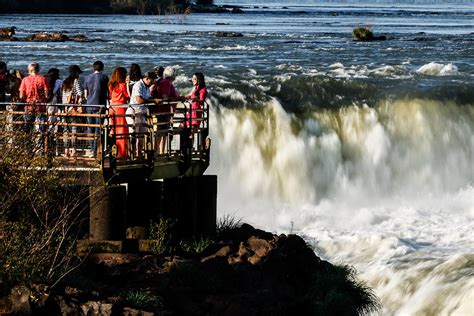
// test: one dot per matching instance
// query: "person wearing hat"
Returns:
(72, 93)
(96, 93)
(35, 89)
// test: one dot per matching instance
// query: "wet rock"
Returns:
(229, 34)
(6, 33)
(237, 10)
(47, 37)
(81, 38)
(57, 37)
(209, 8)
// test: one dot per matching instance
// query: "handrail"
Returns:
(111, 135)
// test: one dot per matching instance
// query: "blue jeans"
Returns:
(93, 130)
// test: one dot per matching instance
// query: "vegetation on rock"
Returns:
(364, 33)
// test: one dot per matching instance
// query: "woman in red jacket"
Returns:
(118, 97)
(198, 97)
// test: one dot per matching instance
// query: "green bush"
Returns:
(162, 232)
(338, 292)
(362, 33)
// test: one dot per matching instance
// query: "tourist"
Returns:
(119, 96)
(198, 97)
(4, 79)
(134, 75)
(96, 89)
(52, 76)
(137, 113)
(72, 93)
(34, 89)
(165, 91)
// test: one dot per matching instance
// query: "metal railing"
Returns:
(85, 136)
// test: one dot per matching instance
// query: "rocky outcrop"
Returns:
(229, 34)
(247, 272)
(6, 34)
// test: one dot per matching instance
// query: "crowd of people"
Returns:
(130, 97)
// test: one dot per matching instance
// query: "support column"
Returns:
(193, 202)
(106, 209)
(144, 204)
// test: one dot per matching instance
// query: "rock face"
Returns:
(247, 272)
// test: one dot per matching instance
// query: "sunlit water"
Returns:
(366, 149)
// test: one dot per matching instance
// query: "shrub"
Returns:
(39, 217)
(362, 33)
(338, 292)
(162, 232)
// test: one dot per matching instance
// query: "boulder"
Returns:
(47, 37)
(56, 37)
(6, 33)
(229, 34)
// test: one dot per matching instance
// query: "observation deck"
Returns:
(96, 145)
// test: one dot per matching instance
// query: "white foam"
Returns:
(387, 189)
(436, 69)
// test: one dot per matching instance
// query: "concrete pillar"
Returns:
(193, 202)
(106, 209)
(144, 204)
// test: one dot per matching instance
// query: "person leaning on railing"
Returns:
(95, 91)
(119, 96)
(137, 112)
(35, 89)
(53, 109)
(198, 97)
(72, 92)
(165, 90)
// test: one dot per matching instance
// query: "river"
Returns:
(364, 148)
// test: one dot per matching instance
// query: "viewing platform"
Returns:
(95, 145)
(115, 152)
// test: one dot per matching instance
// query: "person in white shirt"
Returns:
(138, 112)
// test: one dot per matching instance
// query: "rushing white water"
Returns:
(359, 146)
(388, 189)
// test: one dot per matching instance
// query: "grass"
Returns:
(142, 299)
(195, 245)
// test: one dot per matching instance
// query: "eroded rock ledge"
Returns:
(247, 272)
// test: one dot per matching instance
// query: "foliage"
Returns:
(362, 33)
(142, 299)
(39, 217)
(338, 292)
(226, 224)
(195, 245)
(163, 233)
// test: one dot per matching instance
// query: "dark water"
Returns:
(302, 40)
(366, 148)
